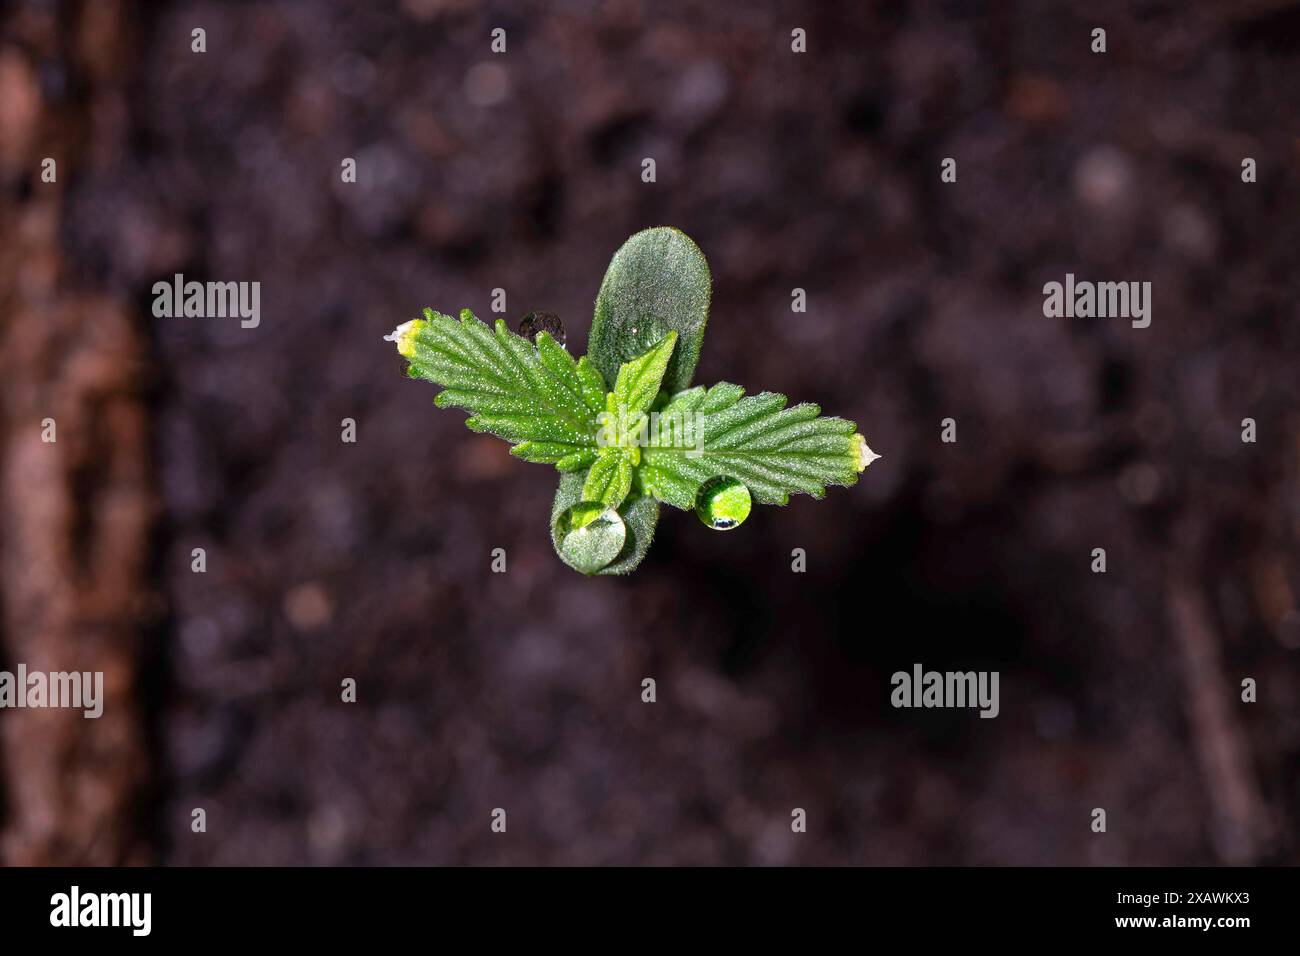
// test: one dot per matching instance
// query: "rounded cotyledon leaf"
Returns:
(640, 514)
(658, 282)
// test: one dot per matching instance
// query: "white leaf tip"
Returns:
(862, 453)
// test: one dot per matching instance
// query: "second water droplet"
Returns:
(535, 322)
(723, 503)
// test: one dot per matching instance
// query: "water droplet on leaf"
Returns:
(548, 322)
(591, 535)
(723, 503)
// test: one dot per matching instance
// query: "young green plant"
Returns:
(650, 438)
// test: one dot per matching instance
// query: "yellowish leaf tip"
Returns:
(862, 454)
(404, 335)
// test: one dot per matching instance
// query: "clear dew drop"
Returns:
(535, 322)
(591, 535)
(723, 503)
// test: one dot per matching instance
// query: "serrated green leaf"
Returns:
(638, 380)
(592, 382)
(774, 450)
(658, 282)
(546, 452)
(720, 396)
(534, 396)
(610, 478)
(577, 461)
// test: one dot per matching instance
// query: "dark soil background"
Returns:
(328, 560)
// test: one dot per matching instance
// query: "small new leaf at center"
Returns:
(639, 380)
(610, 478)
(611, 475)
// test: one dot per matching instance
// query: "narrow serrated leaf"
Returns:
(719, 397)
(687, 401)
(577, 461)
(544, 452)
(593, 383)
(610, 478)
(774, 450)
(638, 380)
(534, 396)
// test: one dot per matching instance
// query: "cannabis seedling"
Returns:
(651, 438)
